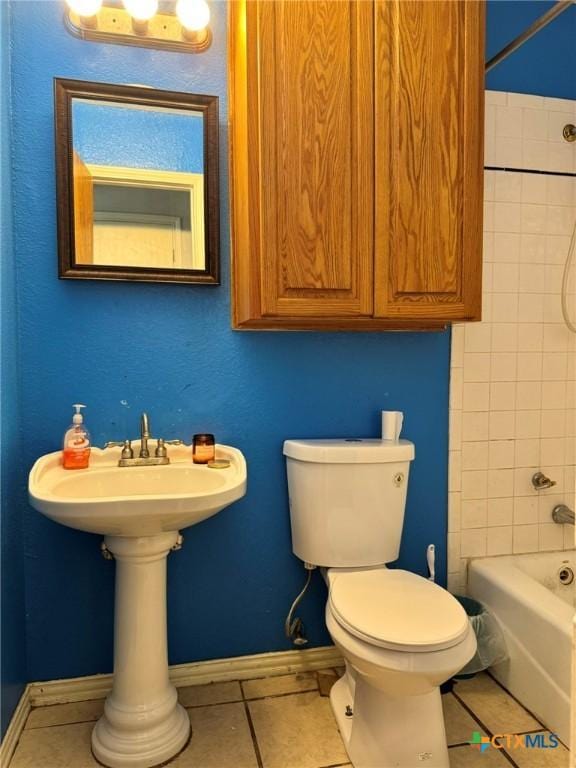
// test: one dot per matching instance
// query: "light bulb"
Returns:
(193, 14)
(85, 8)
(141, 10)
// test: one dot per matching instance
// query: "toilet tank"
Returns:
(347, 500)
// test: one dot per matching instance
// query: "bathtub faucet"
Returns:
(563, 514)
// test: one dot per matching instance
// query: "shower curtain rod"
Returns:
(535, 27)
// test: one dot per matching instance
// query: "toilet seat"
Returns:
(396, 609)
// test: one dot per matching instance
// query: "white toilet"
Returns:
(400, 634)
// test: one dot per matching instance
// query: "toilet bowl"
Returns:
(388, 704)
(400, 634)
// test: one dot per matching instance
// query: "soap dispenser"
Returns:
(76, 449)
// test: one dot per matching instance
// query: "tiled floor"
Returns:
(283, 722)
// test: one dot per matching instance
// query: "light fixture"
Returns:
(86, 10)
(141, 12)
(178, 25)
(194, 15)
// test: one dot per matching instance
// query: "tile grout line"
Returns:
(186, 707)
(532, 715)
(484, 727)
(251, 727)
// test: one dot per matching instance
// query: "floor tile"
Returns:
(459, 724)
(213, 693)
(540, 758)
(63, 746)
(221, 738)
(468, 757)
(297, 732)
(64, 714)
(493, 706)
(274, 686)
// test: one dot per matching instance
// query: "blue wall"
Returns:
(13, 668)
(134, 138)
(123, 347)
(546, 64)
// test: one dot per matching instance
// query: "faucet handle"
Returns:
(540, 481)
(161, 451)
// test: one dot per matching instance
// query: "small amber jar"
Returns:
(203, 449)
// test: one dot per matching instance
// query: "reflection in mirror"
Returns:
(140, 172)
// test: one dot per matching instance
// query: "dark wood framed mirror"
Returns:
(137, 183)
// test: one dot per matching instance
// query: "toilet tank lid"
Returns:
(350, 451)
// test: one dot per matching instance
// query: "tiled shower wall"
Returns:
(512, 383)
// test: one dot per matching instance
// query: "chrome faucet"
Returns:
(127, 458)
(144, 436)
(563, 514)
(541, 482)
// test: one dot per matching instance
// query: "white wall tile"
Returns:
(525, 510)
(474, 513)
(525, 538)
(502, 425)
(527, 452)
(513, 390)
(531, 277)
(521, 100)
(503, 366)
(476, 367)
(477, 337)
(501, 454)
(499, 541)
(528, 395)
(473, 542)
(530, 337)
(550, 536)
(554, 395)
(534, 124)
(500, 483)
(504, 338)
(502, 396)
(475, 396)
(554, 423)
(508, 121)
(475, 426)
(500, 512)
(554, 366)
(507, 247)
(475, 455)
(552, 452)
(474, 484)
(527, 424)
(530, 308)
(454, 512)
(529, 366)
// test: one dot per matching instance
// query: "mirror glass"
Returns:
(140, 183)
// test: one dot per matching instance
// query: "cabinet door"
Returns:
(302, 75)
(428, 135)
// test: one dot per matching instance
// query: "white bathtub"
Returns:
(535, 612)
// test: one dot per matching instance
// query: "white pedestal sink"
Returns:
(139, 511)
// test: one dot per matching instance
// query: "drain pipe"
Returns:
(294, 627)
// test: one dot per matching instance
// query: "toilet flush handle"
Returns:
(431, 559)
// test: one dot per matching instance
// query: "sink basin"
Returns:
(135, 501)
(139, 510)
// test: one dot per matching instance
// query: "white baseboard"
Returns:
(12, 735)
(195, 673)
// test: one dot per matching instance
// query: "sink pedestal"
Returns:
(143, 725)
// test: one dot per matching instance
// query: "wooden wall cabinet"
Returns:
(356, 163)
